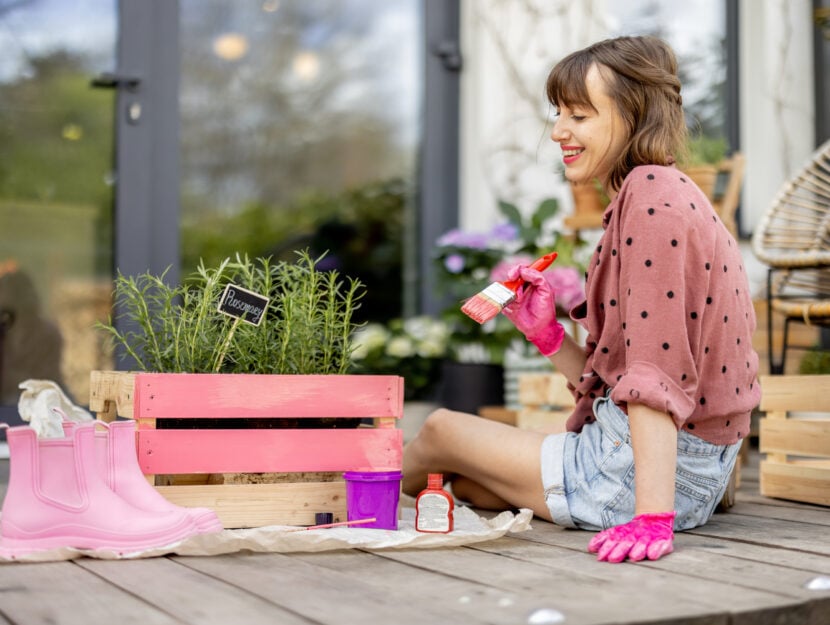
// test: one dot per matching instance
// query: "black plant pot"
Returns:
(466, 387)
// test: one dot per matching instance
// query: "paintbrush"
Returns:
(328, 525)
(490, 302)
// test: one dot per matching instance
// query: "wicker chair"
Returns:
(793, 240)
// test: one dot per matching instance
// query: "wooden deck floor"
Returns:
(750, 565)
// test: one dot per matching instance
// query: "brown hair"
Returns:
(643, 83)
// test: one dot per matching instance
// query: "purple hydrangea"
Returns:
(505, 232)
(454, 263)
(459, 238)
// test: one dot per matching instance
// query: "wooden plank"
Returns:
(806, 537)
(706, 538)
(586, 579)
(795, 392)
(496, 588)
(259, 505)
(190, 596)
(216, 396)
(111, 394)
(267, 450)
(783, 511)
(801, 437)
(61, 593)
(743, 569)
(460, 600)
(501, 414)
(798, 481)
(530, 419)
(320, 595)
(545, 389)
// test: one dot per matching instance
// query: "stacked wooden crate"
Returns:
(795, 436)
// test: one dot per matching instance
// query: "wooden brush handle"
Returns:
(540, 264)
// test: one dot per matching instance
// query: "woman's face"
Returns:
(591, 140)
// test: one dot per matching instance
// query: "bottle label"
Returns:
(433, 513)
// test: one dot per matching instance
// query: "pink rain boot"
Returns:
(57, 498)
(118, 464)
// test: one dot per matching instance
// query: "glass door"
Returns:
(56, 193)
(300, 128)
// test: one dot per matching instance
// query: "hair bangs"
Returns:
(566, 82)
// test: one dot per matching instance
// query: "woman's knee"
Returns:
(436, 423)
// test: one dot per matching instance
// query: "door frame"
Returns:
(147, 204)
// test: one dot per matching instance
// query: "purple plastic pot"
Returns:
(373, 494)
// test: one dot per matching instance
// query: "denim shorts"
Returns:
(589, 477)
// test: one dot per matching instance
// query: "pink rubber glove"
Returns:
(533, 312)
(645, 536)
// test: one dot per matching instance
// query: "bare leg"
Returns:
(474, 493)
(502, 460)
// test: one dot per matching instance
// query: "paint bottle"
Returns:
(433, 507)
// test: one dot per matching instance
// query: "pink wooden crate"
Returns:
(151, 398)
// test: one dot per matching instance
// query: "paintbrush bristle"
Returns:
(489, 303)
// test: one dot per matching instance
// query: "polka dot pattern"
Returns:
(672, 336)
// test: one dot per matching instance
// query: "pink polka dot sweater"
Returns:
(669, 314)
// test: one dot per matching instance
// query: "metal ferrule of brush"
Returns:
(499, 294)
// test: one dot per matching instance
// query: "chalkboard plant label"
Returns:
(243, 304)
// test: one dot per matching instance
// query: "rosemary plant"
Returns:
(177, 329)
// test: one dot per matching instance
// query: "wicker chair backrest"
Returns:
(795, 230)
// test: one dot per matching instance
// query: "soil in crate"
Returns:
(247, 478)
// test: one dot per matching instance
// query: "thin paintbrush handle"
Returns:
(540, 264)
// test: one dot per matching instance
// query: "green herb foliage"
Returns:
(176, 329)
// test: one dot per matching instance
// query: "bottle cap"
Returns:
(323, 518)
(435, 480)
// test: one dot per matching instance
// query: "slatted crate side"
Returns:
(544, 400)
(797, 463)
(286, 452)
(807, 482)
(251, 396)
(545, 389)
(111, 394)
(785, 393)
(266, 450)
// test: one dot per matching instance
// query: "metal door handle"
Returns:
(114, 80)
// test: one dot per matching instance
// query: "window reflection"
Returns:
(56, 145)
(696, 29)
(299, 130)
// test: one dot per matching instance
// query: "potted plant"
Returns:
(588, 197)
(248, 372)
(305, 329)
(703, 153)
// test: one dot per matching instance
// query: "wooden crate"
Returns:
(795, 436)
(192, 459)
(544, 400)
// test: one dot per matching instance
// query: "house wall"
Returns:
(506, 151)
(509, 47)
(777, 100)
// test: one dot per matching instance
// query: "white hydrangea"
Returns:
(401, 347)
(367, 339)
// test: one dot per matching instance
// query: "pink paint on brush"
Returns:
(492, 300)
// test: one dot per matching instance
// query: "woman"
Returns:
(666, 382)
